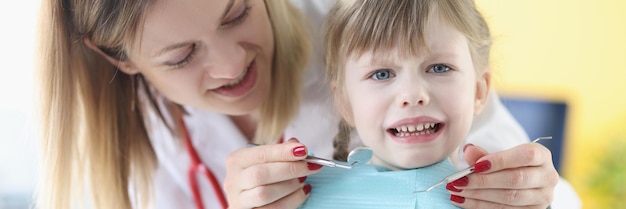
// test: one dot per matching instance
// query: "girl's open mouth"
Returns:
(415, 130)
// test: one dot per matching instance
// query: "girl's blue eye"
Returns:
(382, 74)
(439, 68)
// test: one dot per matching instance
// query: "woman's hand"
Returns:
(269, 176)
(521, 177)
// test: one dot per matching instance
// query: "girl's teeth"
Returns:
(420, 127)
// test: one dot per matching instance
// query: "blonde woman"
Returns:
(151, 104)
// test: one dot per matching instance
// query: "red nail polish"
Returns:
(306, 189)
(313, 166)
(457, 199)
(463, 181)
(299, 151)
(482, 166)
(466, 146)
(302, 179)
(451, 187)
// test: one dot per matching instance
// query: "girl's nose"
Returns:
(413, 94)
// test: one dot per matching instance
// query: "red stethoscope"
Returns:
(197, 166)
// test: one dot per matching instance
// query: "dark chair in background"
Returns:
(541, 118)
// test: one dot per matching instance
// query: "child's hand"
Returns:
(520, 177)
(268, 176)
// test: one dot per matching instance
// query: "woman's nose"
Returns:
(229, 60)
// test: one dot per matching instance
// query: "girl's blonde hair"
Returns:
(91, 124)
(354, 27)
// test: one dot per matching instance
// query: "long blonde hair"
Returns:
(355, 27)
(92, 124)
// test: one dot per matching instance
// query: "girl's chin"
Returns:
(404, 164)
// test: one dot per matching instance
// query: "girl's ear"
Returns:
(341, 104)
(483, 87)
(124, 66)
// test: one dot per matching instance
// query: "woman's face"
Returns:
(214, 55)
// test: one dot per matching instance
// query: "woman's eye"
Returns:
(242, 12)
(439, 68)
(185, 58)
(382, 74)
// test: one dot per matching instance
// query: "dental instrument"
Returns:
(464, 172)
(357, 156)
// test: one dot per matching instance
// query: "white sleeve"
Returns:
(494, 129)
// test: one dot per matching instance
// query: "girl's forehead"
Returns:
(438, 40)
(436, 34)
(380, 55)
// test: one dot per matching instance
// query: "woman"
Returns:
(159, 99)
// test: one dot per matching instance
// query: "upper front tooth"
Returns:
(419, 127)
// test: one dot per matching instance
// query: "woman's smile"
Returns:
(241, 85)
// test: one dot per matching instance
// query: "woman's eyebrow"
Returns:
(173, 47)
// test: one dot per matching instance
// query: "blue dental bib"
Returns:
(370, 186)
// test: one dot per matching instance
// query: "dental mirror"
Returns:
(359, 156)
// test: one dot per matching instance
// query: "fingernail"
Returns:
(482, 166)
(457, 199)
(451, 187)
(302, 179)
(299, 151)
(307, 189)
(463, 181)
(466, 146)
(313, 166)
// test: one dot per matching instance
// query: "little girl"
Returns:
(408, 76)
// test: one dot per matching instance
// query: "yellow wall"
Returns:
(570, 50)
